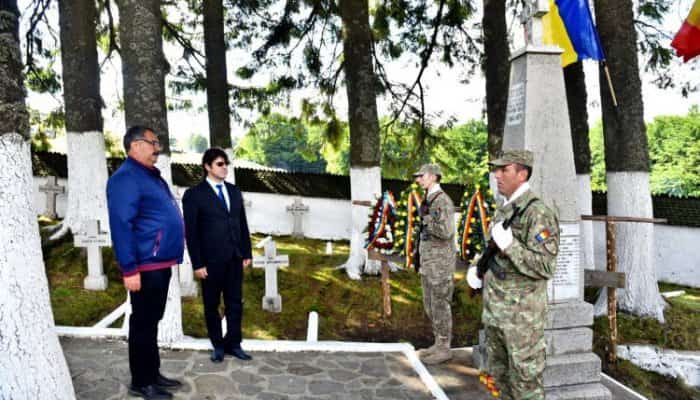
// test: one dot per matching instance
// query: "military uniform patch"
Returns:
(542, 236)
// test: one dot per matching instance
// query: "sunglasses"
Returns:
(220, 163)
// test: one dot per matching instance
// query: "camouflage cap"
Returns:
(522, 157)
(429, 169)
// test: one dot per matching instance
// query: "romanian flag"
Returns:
(569, 25)
(687, 40)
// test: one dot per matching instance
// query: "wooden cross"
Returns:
(52, 189)
(386, 287)
(272, 301)
(611, 278)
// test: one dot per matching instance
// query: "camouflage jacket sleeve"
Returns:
(439, 222)
(534, 250)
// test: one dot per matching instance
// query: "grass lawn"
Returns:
(352, 310)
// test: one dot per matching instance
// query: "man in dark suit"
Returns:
(218, 242)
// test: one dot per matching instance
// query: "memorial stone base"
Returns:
(572, 370)
(95, 282)
(272, 303)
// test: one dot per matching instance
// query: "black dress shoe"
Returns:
(217, 355)
(150, 392)
(167, 383)
(239, 353)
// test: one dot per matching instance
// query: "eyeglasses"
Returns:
(153, 143)
(220, 163)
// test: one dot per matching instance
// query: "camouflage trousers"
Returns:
(437, 298)
(516, 359)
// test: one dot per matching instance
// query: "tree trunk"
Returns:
(496, 69)
(32, 365)
(365, 156)
(87, 166)
(577, 101)
(627, 160)
(143, 71)
(144, 67)
(217, 83)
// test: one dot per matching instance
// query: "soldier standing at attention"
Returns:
(437, 261)
(515, 307)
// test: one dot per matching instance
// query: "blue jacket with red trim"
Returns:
(145, 221)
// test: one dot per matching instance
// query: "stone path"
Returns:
(456, 380)
(100, 370)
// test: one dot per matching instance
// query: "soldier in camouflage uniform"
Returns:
(515, 308)
(437, 261)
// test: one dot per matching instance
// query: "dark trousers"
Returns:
(147, 307)
(224, 279)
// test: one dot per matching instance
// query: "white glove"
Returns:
(473, 280)
(502, 237)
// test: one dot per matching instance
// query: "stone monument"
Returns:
(537, 120)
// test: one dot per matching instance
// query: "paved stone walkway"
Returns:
(100, 370)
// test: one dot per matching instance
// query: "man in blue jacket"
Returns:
(218, 241)
(148, 237)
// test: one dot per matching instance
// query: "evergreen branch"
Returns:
(645, 25)
(185, 43)
(38, 11)
(113, 46)
(425, 59)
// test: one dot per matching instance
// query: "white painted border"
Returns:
(620, 391)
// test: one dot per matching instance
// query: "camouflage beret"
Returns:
(429, 169)
(522, 157)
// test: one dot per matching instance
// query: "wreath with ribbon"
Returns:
(407, 226)
(380, 236)
(473, 225)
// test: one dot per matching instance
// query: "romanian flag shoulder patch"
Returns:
(542, 236)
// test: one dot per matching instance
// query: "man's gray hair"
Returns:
(134, 133)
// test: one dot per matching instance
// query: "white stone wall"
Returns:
(326, 218)
(676, 251)
(676, 248)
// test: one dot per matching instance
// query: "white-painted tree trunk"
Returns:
(87, 178)
(32, 365)
(365, 185)
(170, 327)
(231, 177)
(188, 287)
(629, 196)
(585, 207)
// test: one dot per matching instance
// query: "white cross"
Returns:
(272, 301)
(531, 17)
(297, 209)
(91, 237)
(52, 189)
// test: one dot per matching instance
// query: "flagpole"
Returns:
(610, 85)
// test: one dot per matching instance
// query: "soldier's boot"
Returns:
(442, 352)
(428, 351)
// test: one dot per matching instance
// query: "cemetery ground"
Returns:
(352, 310)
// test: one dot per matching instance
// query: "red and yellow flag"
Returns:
(687, 40)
